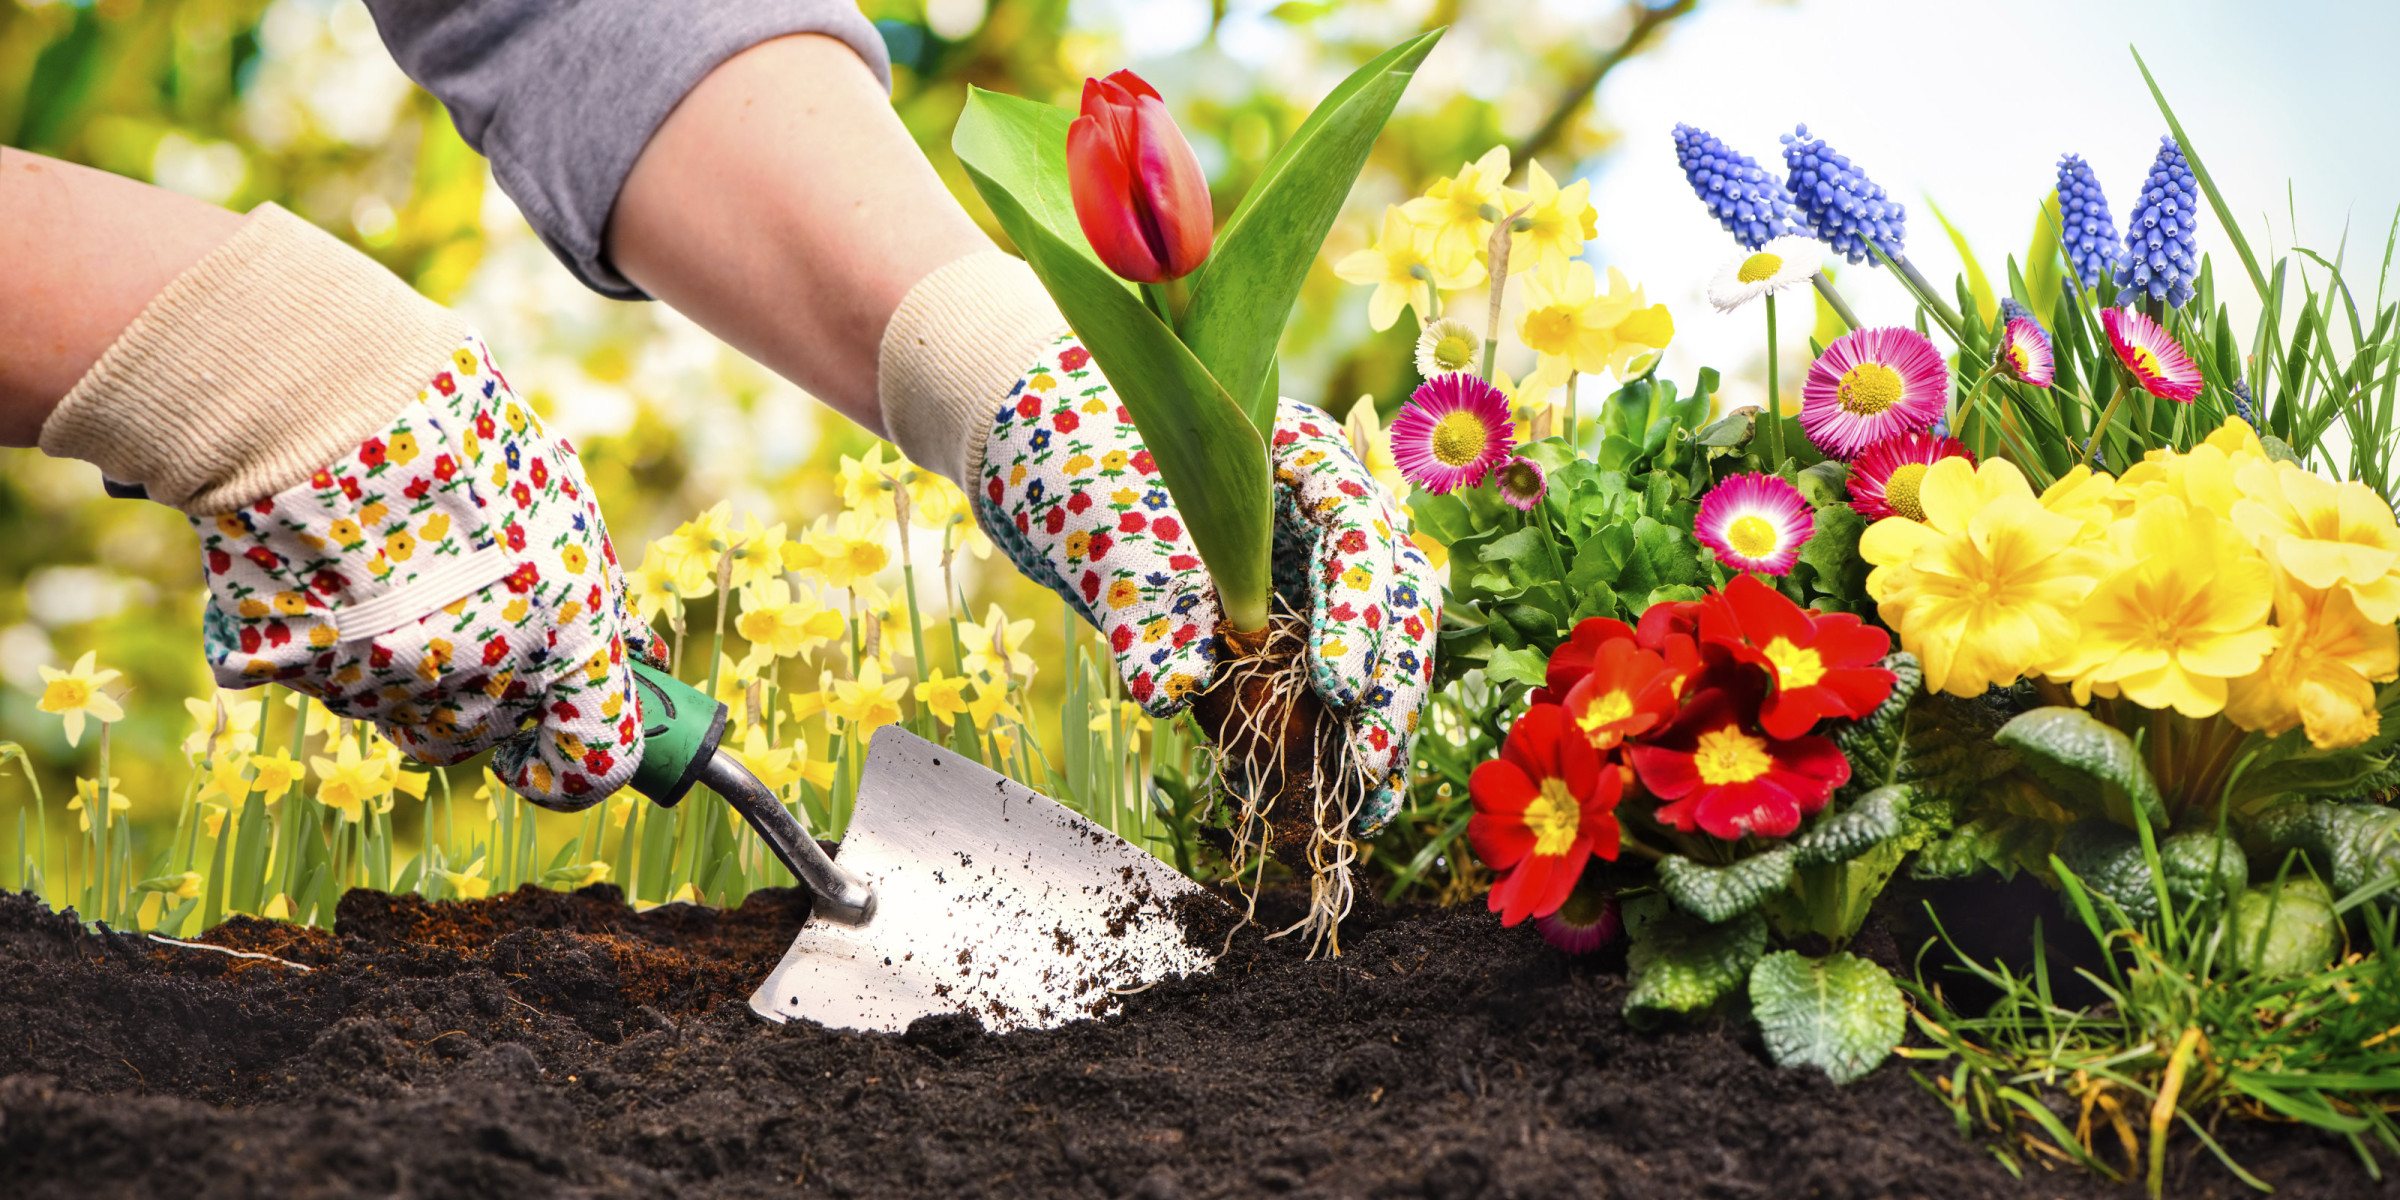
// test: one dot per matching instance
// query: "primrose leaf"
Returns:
(1832, 552)
(1526, 665)
(2353, 845)
(2108, 859)
(1719, 894)
(1840, 1013)
(1876, 744)
(2087, 762)
(1875, 819)
(1682, 964)
(2286, 928)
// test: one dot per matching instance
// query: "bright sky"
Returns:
(1972, 104)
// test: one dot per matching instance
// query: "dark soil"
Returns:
(540, 1044)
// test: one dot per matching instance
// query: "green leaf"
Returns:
(2108, 858)
(1839, 1013)
(1730, 431)
(1243, 294)
(2044, 263)
(1987, 304)
(1211, 458)
(2285, 928)
(2353, 845)
(1863, 826)
(2089, 763)
(1021, 145)
(1719, 894)
(1826, 483)
(2216, 200)
(1527, 665)
(1680, 963)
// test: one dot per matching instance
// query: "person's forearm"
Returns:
(784, 207)
(86, 251)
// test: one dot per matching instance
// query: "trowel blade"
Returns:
(990, 898)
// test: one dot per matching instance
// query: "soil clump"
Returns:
(547, 1044)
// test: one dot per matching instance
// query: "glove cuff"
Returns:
(960, 339)
(274, 355)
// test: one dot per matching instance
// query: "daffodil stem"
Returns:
(1841, 307)
(100, 788)
(1774, 392)
(1574, 416)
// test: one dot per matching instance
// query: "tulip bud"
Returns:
(1139, 193)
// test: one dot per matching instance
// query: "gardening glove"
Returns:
(386, 526)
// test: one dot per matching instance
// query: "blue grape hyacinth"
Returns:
(1745, 198)
(2159, 261)
(1837, 203)
(2086, 233)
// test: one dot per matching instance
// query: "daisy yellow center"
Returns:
(1869, 388)
(2143, 361)
(1454, 353)
(1602, 713)
(1730, 756)
(1553, 817)
(1459, 438)
(1900, 490)
(1795, 666)
(2016, 360)
(1761, 265)
(64, 694)
(1751, 536)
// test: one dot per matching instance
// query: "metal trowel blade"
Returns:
(990, 899)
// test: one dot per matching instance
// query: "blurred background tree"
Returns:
(295, 101)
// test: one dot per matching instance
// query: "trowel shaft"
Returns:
(840, 895)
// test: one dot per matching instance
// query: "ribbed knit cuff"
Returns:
(268, 359)
(958, 342)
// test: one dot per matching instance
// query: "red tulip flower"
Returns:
(1542, 809)
(1139, 193)
(1721, 775)
(1826, 665)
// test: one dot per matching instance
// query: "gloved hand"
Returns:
(385, 525)
(450, 580)
(1066, 488)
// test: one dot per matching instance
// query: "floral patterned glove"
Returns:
(450, 581)
(1067, 489)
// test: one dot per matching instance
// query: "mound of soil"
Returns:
(544, 1044)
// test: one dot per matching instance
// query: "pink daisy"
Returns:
(1452, 432)
(1884, 478)
(2151, 355)
(1755, 523)
(1587, 921)
(1522, 482)
(1870, 384)
(2024, 353)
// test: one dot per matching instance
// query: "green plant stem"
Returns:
(1774, 392)
(1932, 299)
(1833, 299)
(1574, 414)
(2092, 444)
(100, 821)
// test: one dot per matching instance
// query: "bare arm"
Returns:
(784, 207)
(86, 250)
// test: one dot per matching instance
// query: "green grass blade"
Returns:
(2216, 199)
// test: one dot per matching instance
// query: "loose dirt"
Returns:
(540, 1044)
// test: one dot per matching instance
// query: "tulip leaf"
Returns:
(1242, 296)
(1022, 145)
(1841, 1012)
(1211, 459)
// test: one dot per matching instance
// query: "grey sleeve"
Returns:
(562, 95)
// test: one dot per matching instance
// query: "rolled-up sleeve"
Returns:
(562, 95)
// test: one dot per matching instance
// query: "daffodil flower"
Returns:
(75, 694)
(944, 696)
(87, 797)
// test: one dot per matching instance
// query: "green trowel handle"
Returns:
(681, 729)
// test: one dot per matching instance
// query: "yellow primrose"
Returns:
(2085, 495)
(1558, 222)
(2326, 534)
(1457, 212)
(2184, 610)
(1404, 275)
(87, 797)
(945, 696)
(1985, 588)
(2323, 671)
(869, 702)
(75, 694)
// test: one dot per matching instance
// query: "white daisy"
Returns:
(1447, 345)
(1781, 263)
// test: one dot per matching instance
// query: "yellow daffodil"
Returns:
(2322, 674)
(996, 646)
(1985, 588)
(469, 884)
(806, 704)
(783, 623)
(1636, 328)
(990, 704)
(321, 720)
(87, 797)
(657, 585)
(867, 483)
(350, 781)
(757, 552)
(868, 702)
(1457, 212)
(772, 766)
(945, 696)
(1558, 223)
(220, 724)
(277, 773)
(1401, 271)
(75, 694)
(280, 908)
(889, 613)
(1136, 722)
(225, 778)
(1373, 445)
(212, 818)
(851, 547)
(2327, 534)
(2183, 610)
(934, 502)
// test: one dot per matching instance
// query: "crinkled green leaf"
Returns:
(1876, 743)
(2286, 928)
(1718, 894)
(2108, 858)
(2093, 766)
(1872, 820)
(2352, 845)
(1682, 964)
(1840, 1013)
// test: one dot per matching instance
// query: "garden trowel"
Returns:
(958, 890)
